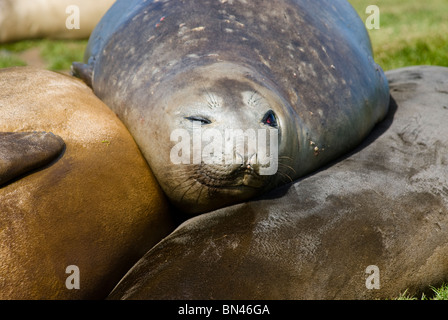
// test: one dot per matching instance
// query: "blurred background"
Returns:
(412, 32)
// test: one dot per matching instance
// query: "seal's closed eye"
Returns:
(270, 119)
(200, 119)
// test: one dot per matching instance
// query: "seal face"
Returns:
(300, 71)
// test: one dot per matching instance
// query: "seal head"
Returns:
(301, 70)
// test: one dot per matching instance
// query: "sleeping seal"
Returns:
(300, 71)
(370, 226)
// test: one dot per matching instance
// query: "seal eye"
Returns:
(270, 119)
(202, 120)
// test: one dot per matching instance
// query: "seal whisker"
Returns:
(211, 101)
(202, 187)
(185, 175)
(284, 174)
(286, 166)
(186, 170)
(251, 98)
(190, 187)
(285, 157)
(181, 185)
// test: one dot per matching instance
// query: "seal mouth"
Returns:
(242, 177)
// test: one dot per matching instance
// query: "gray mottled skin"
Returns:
(385, 204)
(157, 62)
(22, 152)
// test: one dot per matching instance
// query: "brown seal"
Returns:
(93, 204)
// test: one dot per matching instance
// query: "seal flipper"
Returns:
(83, 71)
(21, 152)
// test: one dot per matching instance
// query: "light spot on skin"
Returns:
(263, 60)
(172, 62)
(239, 24)
(155, 70)
(182, 30)
(197, 29)
(264, 18)
(324, 50)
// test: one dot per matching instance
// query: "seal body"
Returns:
(301, 68)
(28, 19)
(80, 194)
(370, 226)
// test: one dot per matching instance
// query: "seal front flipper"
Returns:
(83, 71)
(21, 152)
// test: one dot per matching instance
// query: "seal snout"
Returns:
(248, 163)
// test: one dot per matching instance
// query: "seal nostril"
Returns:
(250, 160)
(242, 158)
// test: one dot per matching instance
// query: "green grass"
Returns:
(55, 54)
(412, 32)
(60, 54)
(437, 294)
(8, 60)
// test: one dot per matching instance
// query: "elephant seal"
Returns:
(369, 226)
(92, 202)
(297, 73)
(28, 19)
